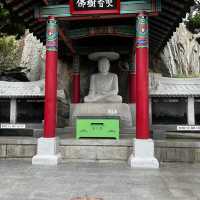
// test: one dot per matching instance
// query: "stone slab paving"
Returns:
(19, 180)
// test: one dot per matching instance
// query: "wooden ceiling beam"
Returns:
(12, 1)
(67, 41)
(21, 4)
(45, 2)
(173, 3)
(162, 20)
(158, 24)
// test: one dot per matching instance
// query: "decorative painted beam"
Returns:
(45, 2)
(127, 7)
(63, 35)
(67, 40)
(85, 50)
(120, 30)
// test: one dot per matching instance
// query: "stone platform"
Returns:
(122, 110)
(101, 150)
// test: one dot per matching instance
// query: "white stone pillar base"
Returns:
(144, 154)
(190, 111)
(47, 152)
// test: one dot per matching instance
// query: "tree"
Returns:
(10, 25)
(193, 20)
(10, 50)
(10, 53)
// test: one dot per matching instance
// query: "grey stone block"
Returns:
(2, 151)
(175, 154)
(112, 153)
(95, 152)
(78, 152)
(18, 140)
(159, 135)
(21, 150)
(102, 109)
(96, 142)
(37, 133)
(197, 155)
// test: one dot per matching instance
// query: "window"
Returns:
(169, 110)
(4, 110)
(30, 110)
(197, 110)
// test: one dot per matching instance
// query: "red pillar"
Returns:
(50, 111)
(76, 88)
(132, 87)
(142, 64)
(76, 80)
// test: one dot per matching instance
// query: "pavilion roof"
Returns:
(159, 87)
(21, 89)
(174, 87)
(161, 27)
(34, 89)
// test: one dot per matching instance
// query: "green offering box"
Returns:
(97, 127)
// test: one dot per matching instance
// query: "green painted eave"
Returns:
(126, 7)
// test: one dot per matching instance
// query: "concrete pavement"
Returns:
(19, 180)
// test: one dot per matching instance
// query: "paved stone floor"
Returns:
(19, 180)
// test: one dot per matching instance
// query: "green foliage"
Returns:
(9, 53)
(3, 13)
(10, 25)
(194, 22)
(193, 75)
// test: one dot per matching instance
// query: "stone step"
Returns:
(185, 135)
(70, 130)
(102, 150)
(176, 135)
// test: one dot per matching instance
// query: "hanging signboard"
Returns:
(90, 7)
(95, 7)
(13, 126)
(188, 128)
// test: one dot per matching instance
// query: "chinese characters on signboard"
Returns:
(95, 6)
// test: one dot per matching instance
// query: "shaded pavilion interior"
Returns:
(81, 35)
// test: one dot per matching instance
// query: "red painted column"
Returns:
(142, 64)
(132, 87)
(50, 111)
(76, 80)
(76, 88)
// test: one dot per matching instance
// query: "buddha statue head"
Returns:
(103, 65)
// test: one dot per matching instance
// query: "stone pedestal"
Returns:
(47, 152)
(121, 110)
(143, 156)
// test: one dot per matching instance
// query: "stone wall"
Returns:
(101, 150)
(181, 54)
(33, 57)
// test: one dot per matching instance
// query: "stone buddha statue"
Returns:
(103, 85)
